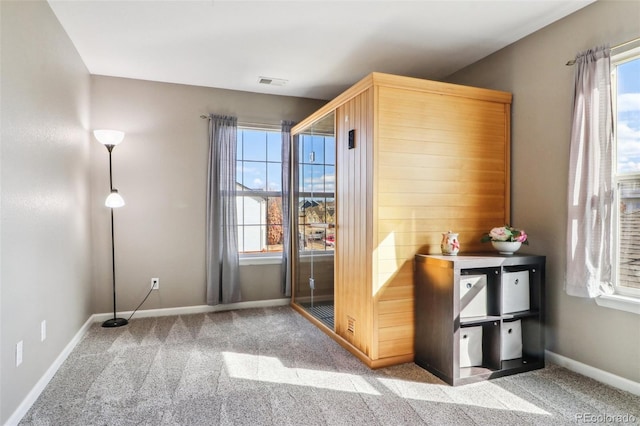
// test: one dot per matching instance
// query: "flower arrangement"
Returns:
(506, 233)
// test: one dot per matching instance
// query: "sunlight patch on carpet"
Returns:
(270, 369)
(485, 394)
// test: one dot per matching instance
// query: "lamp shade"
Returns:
(114, 200)
(109, 137)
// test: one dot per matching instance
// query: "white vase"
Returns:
(449, 244)
(506, 247)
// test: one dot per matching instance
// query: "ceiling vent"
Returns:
(272, 81)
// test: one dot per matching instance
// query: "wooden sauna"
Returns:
(413, 159)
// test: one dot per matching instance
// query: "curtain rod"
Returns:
(617, 46)
(249, 123)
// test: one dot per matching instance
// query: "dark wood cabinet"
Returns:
(478, 317)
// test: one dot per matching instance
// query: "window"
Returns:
(625, 82)
(259, 186)
(316, 199)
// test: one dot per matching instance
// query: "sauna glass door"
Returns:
(314, 219)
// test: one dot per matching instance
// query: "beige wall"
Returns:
(534, 70)
(160, 169)
(45, 227)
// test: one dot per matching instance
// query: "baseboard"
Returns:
(594, 373)
(198, 309)
(33, 395)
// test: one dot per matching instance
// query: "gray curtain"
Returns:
(590, 198)
(289, 172)
(222, 228)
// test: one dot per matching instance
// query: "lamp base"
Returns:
(115, 322)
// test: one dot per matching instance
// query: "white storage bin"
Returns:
(473, 296)
(511, 340)
(470, 347)
(515, 291)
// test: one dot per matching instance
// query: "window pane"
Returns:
(307, 148)
(259, 216)
(329, 179)
(315, 237)
(239, 179)
(274, 211)
(305, 205)
(330, 150)
(274, 146)
(311, 178)
(318, 149)
(254, 175)
(240, 211)
(253, 210)
(305, 177)
(629, 234)
(315, 211)
(314, 178)
(275, 233)
(274, 237)
(628, 120)
(254, 238)
(254, 145)
(239, 145)
(302, 205)
(330, 211)
(274, 176)
(240, 239)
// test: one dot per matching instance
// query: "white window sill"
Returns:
(622, 303)
(319, 254)
(276, 258)
(261, 259)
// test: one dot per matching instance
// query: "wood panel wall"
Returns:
(354, 207)
(441, 165)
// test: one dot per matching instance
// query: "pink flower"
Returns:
(500, 234)
(522, 237)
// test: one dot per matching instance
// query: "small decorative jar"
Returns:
(450, 245)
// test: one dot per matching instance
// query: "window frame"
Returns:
(258, 257)
(630, 295)
(303, 193)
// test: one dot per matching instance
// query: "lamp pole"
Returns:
(113, 200)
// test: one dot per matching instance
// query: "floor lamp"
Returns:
(111, 138)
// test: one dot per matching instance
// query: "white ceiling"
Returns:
(320, 47)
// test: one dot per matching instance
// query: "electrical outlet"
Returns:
(19, 353)
(155, 283)
(43, 330)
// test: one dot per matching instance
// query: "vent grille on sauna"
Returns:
(351, 325)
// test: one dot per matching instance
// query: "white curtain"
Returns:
(590, 198)
(222, 258)
(289, 169)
